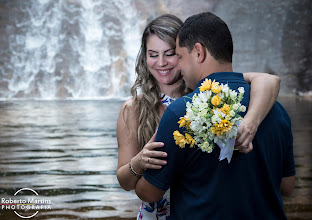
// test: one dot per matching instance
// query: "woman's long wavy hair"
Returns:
(147, 105)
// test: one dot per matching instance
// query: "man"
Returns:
(202, 187)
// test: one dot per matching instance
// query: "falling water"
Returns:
(77, 49)
(86, 49)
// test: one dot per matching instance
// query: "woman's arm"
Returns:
(264, 91)
(128, 149)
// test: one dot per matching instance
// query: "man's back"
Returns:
(202, 187)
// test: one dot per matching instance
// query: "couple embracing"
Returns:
(176, 58)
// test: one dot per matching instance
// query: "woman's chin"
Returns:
(170, 82)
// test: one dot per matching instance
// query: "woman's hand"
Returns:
(245, 134)
(263, 93)
(147, 158)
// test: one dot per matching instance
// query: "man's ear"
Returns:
(200, 52)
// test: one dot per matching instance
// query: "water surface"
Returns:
(67, 152)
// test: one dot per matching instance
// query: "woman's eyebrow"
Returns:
(157, 51)
(152, 51)
(169, 50)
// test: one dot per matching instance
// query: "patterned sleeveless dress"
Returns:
(159, 210)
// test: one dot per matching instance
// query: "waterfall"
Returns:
(71, 49)
(86, 49)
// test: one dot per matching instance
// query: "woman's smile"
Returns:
(162, 61)
(164, 72)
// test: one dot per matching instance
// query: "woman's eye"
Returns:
(170, 54)
(153, 55)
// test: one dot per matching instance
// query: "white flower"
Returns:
(232, 133)
(235, 106)
(203, 106)
(203, 115)
(233, 94)
(234, 120)
(216, 139)
(196, 103)
(196, 125)
(191, 116)
(188, 105)
(215, 119)
(225, 88)
(218, 113)
(241, 89)
(209, 149)
(204, 96)
(205, 147)
(232, 113)
(242, 108)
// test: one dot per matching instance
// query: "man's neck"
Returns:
(223, 67)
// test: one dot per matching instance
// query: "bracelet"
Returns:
(132, 170)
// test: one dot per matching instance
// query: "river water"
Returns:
(67, 152)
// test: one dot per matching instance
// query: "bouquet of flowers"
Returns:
(212, 117)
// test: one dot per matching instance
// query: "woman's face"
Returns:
(162, 61)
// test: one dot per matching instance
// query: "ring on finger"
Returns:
(148, 160)
(246, 147)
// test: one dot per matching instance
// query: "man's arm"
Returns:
(147, 192)
(287, 185)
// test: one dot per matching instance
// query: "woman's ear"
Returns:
(200, 52)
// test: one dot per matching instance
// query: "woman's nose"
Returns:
(162, 61)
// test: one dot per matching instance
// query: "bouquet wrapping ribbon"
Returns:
(227, 147)
(226, 150)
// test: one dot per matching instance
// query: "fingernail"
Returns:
(165, 162)
(165, 154)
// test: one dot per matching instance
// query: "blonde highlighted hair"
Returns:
(147, 105)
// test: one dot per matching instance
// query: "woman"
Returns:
(160, 84)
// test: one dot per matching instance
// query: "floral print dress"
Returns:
(159, 210)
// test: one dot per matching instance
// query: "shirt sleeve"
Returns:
(288, 160)
(164, 177)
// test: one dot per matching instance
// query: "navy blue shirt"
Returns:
(202, 187)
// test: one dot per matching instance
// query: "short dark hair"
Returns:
(210, 31)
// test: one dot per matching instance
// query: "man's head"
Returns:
(204, 45)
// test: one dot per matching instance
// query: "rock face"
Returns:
(272, 36)
(87, 49)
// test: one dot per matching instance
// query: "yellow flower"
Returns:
(182, 122)
(206, 85)
(215, 88)
(216, 100)
(190, 140)
(223, 127)
(187, 121)
(179, 139)
(225, 109)
(188, 125)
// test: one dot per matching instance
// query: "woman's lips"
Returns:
(164, 72)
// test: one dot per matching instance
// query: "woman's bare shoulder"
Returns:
(129, 109)
(130, 103)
